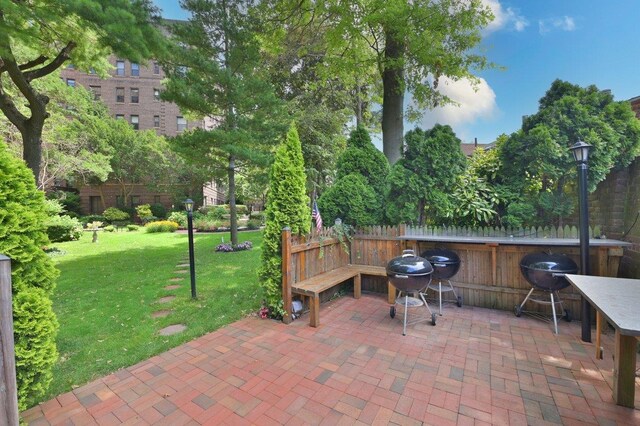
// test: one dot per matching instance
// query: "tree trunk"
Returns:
(32, 147)
(232, 200)
(393, 98)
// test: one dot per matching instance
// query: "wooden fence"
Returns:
(8, 387)
(533, 232)
(489, 275)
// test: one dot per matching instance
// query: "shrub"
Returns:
(287, 205)
(132, 227)
(109, 228)
(144, 213)
(161, 226)
(179, 217)
(22, 237)
(69, 200)
(159, 211)
(257, 216)
(253, 224)
(63, 228)
(113, 214)
(228, 247)
(351, 200)
(215, 212)
(242, 210)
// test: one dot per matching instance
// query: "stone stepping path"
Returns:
(176, 279)
(181, 271)
(166, 299)
(182, 265)
(172, 329)
(161, 314)
(172, 287)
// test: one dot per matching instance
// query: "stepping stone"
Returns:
(172, 287)
(166, 299)
(161, 314)
(176, 279)
(182, 265)
(181, 271)
(172, 329)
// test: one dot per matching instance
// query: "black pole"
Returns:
(192, 267)
(584, 247)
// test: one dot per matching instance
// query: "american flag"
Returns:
(315, 214)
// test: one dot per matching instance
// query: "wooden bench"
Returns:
(312, 287)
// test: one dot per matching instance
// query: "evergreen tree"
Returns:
(22, 237)
(287, 206)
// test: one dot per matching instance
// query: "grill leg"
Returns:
(553, 309)
(526, 298)
(406, 308)
(440, 297)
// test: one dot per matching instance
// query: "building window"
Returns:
(135, 200)
(119, 116)
(96, 91)
(156, 94)
(119, 94)
(119, 67)
(135, 121)
(71, 82)
(120, 201)
(95, 205)
(181, 123)
(156, 68)
(156, 121)
(135, 69)
(135, 95)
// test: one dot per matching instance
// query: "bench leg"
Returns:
(314, 310)
(391, 295)
(357, 286)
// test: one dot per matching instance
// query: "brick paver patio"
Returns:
(476, 366)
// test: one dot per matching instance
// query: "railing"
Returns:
(8, 387)
(533, 232)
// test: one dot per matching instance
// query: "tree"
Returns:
(358, 194)
(410, 44)
(72, 143)
(420, 183)
(22, 237)
(287, 206)
(537, 170)
(216, 73)
(81, 31)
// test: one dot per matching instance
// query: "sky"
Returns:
(584, 42)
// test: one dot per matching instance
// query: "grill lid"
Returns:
(443, 256)
(555, 263)
(409, 264)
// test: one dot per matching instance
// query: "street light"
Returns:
(580, 152)
(188, 206)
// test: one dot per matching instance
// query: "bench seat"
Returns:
(312, 287)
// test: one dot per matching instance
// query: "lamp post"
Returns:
(188, 206)
(580, 152)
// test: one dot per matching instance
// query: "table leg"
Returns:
(624, 370)
(598, 335)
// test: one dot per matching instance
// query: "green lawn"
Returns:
(108, 290)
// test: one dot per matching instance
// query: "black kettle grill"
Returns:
(446, 264)
(410, 274)
(546, 272)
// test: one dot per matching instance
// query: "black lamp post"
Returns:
(188, 205)
(580, 152)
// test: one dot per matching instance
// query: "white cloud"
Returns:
(565, 23)
(472, 104)
(509, 18)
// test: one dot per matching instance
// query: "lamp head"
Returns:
(580, 151)
(188, 205)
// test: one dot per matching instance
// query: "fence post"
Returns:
(286, 274)
(8, 386)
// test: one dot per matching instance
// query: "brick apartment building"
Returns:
(132, 93)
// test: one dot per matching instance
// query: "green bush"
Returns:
(144, 213)
(113, 214)
(109, 228)
(159, 211)
(254, 224)
(351, 200)
(242, 210)
(161, 226)
(257, 216)
(131, 227)
(63, 228)
(215, 212)
(179, 217)
(22, 238)
(69, 200)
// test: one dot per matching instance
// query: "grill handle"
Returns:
(408, 253)
(558, 274)
(440, 265)
(401, 276)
